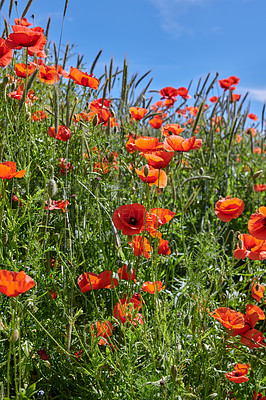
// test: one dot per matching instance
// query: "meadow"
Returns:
(133, 231)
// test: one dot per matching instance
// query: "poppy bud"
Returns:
(15, 335)
(5, 239)
(178, 163)
(257, 174)
(51, 187)
(68, 243)
(240, 243)
(201, 171)
(5, 80)
(146, 170)
(174, 372)
(95, 120)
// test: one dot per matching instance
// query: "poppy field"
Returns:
(133, 231)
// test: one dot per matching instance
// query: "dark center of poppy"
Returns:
(132, 221)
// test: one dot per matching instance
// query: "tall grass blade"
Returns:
(47, 27)
(95, 61)
(11, 3)
(26, 8)
(65, 9)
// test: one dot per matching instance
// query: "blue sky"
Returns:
(179, 40)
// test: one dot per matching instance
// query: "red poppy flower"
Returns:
(239, 373)
(141, 246)
(155, 177)
(257, 291)
(259, 188)
(137, 113)
(229, 82)
(21, 70)
(253, 339)
(146, 143)
(152, 287)
(164, 248)
(158, 159)
(251, 247)
(253, 116)
(169, 129)
(156, 105)
(8, 170)
(126, 276)
(83, 79)
(230, 319)
(156, 122)
(14, 283)
(63, 133)
(64, 167)
(257, 224)
(130, 218)
(177, 143)
(258, 396)
(213, 99)
(57, 205)
(160, 216)
(183, 92)
(43, 355)
(130, 145)
(19, 93)
(235, 97)
(22, 36)
(252, 316)
(93, 281)
(22, 22)
(104, 330)
(127, 311)
(168, 92)
(39, 115)
(6, 53)
(48, 74)
(228, 208)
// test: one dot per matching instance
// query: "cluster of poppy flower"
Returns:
(105, 162)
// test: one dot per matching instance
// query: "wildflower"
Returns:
(251, 131)
(48, 74)
(152, 287)
(141, 246)
(168, 92)
(57, 205)
(158, 159)
(13, 283)
(137, 113)
(230, 319)
(164, 248)
(259, 188)
(258, 396)
(104, 330)
(64, 167)
(130, 145)
(177, 143)
(78, 354)
(213, 99)
(155, 177)
(22, 70)
(82, 78)
(183, 92)
(257, 291)
(253, 116)
(63, 133)
(19, 93)
(6, 53)
(228, 83)
(252, 248)
(22, 36)
(235, 97)
(257, 224)
(239, 373)
(125, 275)
(91, 281)
(146, 143)
(127, 311)
(156, 122)
(257, 150)
(228, 208)
(174, 129)
(8, 170)
(253, 339)
(43, 355)
(130, 218)
(39, 115)
(252, 316)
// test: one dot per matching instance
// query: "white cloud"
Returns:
(255, 94)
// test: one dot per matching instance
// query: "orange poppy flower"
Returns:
(253, 315)
(152, 287)
(238, 139)
(130, 145)
(257, 150)
(21, 70)
(183, 92)
(104, 330)
(253, 116)
(8, 170)
(159, 159)
(230, 319)
(137, 113)
(174, 129)
(63, 133)
(257, 291)
(141, 246)
(19, 93)
(14, 283)
(164, 248)
(258, 396)
(146, 143)
(251, 131)
(22, 22)
(253, 339)
(155, 177)
(91, 281)
(127, 311)
(83, 79)
(126, 276)
(235, 97)
(161, 216)
(257, 224)
(177, 143)
(6, 53)
(168, 92)
(156, 105)
(251, 247)
(48, 74)
(239, 373)
(130, 218)
(156, 122)
(39, 115)
(228, 208)
(57, 205)
(259, 188)
(213, 99)
(22, 36)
